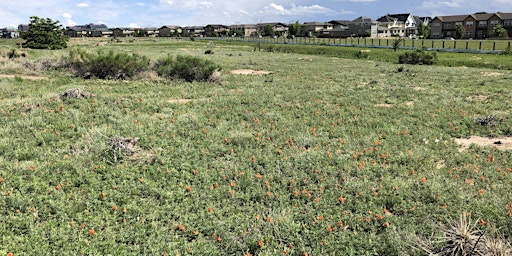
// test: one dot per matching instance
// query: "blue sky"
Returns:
(155, 13)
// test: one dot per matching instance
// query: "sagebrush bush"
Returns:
(188, 68)
(106, 65)
(418, 57)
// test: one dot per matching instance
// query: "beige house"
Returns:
(321, 29)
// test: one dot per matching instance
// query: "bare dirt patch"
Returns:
(383, 105)
(477, 97)
(492, 73)
(179, 101)
(23, 77)
(503, 143)
(250, 72)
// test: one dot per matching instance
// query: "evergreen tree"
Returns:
(44, 34)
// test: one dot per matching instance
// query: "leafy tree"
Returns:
(460, 30)
(44, 34)
(499, 31)
(424, 30)
(294, 29)
(268, 30)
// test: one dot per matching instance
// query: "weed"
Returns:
(188, 68)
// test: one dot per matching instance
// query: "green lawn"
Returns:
(326, 155)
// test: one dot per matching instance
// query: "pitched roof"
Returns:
(482, 15)
(391, 17)
(452, 18)
(504, 15)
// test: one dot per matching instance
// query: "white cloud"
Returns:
(82, 5)
(67, 15)
(358, 1)
(133, 25)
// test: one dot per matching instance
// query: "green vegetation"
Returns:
(105, 65)
(325, 155)
(418, 57)
(44, 34)
(189, 68)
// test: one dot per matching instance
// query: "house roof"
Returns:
(482, 15)
(171, 26)
(340, 22)
(363, 19)
(391, 17)
(452, 18)
(317, 23)
(504, 15)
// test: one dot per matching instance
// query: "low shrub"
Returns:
(418, 57)
(188, 68)
(107, 65)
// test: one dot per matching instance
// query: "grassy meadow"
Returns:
(325, 155)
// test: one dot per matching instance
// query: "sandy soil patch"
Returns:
(23, 77)
(503, 143)
(179, 101)
(491, 73)
(417, 88)
(250, 72)
(383, 105)
(477, 97)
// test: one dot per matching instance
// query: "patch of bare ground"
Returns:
(179, 101)
(477, 97)
(383, 105)
(250, 72)
(491, 73)
(503, 143)
(23, 77)
(417, 88)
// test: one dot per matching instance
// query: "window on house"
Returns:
(435, 34)
(469, 34)
(507, 23)
(458, 23)
(436, 24)
(482, 23)
(495, 22)
(469, 23)
(447, 25)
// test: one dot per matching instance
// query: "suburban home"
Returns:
(398, 25)
(479, 25)
(446, 26)
(216, 30)
(93, 30)
(193, 31)
(9, 33)
(320, 29)
(279, 28)
(339, 31)
(360, 26)
(244, 30)
(169, 30)
(506, 21)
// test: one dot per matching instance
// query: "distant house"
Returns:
(245, 30)
(216, 30)
(90, 30)
(170, 30)
(478, 25)
(23, 27)
(279, 28)
(193, 31)
(9, 33)
(339, 31)
(402, 25)
(320, 29)
(362, 26)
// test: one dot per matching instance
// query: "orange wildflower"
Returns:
(260, 243)
(114, 208)
(481, 191)
(1, 179)
(423, 179)
(189, 188)
(59, 186)
(341, 199)
(91, 231)
(181, 228)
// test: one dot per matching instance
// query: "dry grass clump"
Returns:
(463, 238)
(76, 93)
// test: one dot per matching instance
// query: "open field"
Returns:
(318, 155)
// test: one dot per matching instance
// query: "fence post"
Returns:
(480, 46)
(387, 42)
(454, 44)
(432, 44)
(494, 46)
(412, 44)
(443, 45)
(467, 45)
